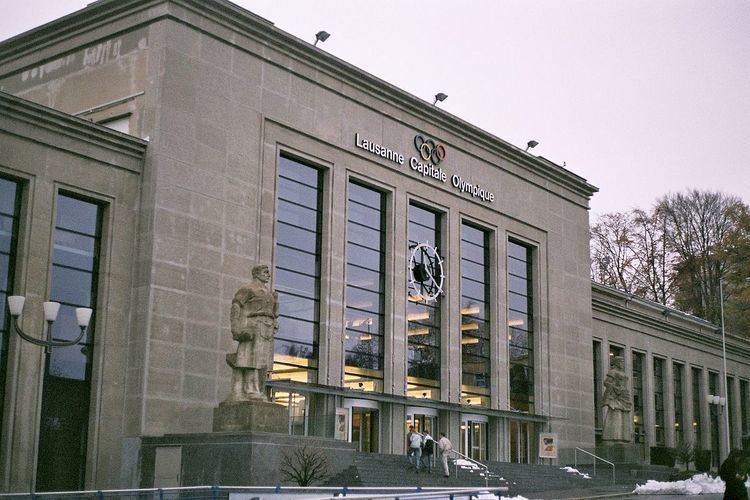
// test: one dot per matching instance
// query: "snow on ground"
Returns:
(486, 495)
(699, 484)
(575, 471)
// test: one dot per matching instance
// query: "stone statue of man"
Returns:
(617, 404)
(254, 319)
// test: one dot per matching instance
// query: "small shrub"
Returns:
(685, 453)
(304, 466)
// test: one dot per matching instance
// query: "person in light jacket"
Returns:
(445, 447)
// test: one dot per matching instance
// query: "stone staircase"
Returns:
(373, 470)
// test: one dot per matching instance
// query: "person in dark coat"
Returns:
(734, 477)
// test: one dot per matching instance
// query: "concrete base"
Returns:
(230, 458)
(258, 416)
(626, 453)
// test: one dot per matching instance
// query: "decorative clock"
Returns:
(426, 272)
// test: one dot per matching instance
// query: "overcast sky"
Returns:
(640, 97)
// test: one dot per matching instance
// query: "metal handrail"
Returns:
(575, 461)
(480, 464)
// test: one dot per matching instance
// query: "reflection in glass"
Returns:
(10, 201)
(67, 379)
(365, 288)
(423, 317)
(520, 328)
(475, 335)
(297, 270)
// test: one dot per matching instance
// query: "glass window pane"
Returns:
(517, 268)
(296, 260)
(363, 321)
(422, 216)
(517, 285)
(294, 349)
(71, 286)
(296, 283)
(518, 302)
(297, 307)
(362, 299)
(364, 195)
(363, 257)
(294, 170)
(297, 215)
(300, 194)
(297, 237)
(6, 232)
(74, 250)
(69, 362)
(77, 215)
(8, 191)
(367, 237)
(474, 271)
(4, 270)
(297, 330)
(517, 251)
(473, 290)
(363, 278)
(359, 359)
(363, 215)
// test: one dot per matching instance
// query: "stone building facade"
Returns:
(429, 273)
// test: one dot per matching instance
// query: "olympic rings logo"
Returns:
(429, 150)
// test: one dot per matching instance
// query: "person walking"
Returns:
(428, 450)
(734, 478)
(408, 445)
(415, 449)
(445, 447)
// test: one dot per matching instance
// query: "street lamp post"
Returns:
(724, 358)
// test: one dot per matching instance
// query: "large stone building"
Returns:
(429, 273)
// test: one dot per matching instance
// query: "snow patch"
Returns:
(699, 484)
(575, 471)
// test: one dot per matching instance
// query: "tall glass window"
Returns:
(10, 201)
(614, 352)
(696, 375)
(67, 378)
(713, 388)
(520, 328)
(638, 396)
(679, 412)
(297, 261)
(597, 356)
(365, 288)
(659, 401)
(423, 316)
(730, 408)
(743, 408)
(475, 325)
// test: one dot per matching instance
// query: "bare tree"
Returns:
(304, 466)
(612, 256)
(654, 274)
(698, 224)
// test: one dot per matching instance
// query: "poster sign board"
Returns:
(548, 445)
(342, 427)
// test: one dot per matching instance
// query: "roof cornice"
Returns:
(262, 31)
(67, 126)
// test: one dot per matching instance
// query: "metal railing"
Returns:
(485, 469)
(264, 493)
(575, 461)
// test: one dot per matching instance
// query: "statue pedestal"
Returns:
(620, 453)
(257, 416)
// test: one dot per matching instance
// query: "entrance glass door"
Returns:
(365, 429)
(519, 442)
(474, 438)
(422, 422)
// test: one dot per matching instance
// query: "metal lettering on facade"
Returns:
(431, 154)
